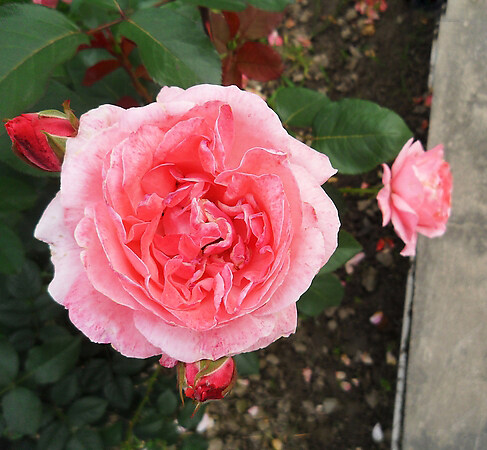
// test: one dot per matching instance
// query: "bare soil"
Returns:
(331, 383)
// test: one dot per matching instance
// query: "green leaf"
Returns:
(27, 283)
(224, 5)
(22, 339)
(127, 366)
(112, 435)
(358, 135)
(65, 390)
(247, 363)
(9, 363)
(14, 313)
(188, 418)
(270, 5)
(53, 333)
(15, 194)
(173, 46)
(347, 248)
(95, 375)
(325, 291)
(46, 308)
(86, 410)
(49, 362)
(119, 392)
(85, 439)
(195, 442)
(33, 40)
(22, 410)
(53, 437)
(297, 106)
(153, 426)
(167, 402)
(11, 250)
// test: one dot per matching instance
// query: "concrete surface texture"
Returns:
(446, 387)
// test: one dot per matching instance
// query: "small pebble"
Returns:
(390, 358)
(346, 33)
(253, 411)
(385, 258)
(277, 444)
(329, 405)
(351, 14)
(215, 444)
(366, 358)
(307, 374)
(299, 347)
(376, 318)
(372, 398)
(272, 359)
(340, 375)
(308, 406)
(377, 433)
(206, 423)
(369, 278)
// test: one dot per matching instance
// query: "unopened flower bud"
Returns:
(40, 138)
(207, 380)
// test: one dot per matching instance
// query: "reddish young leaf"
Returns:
(98, 40)
(257, 24)
(141, 72)
(219, 32)
(230, 73)
(99, 70)
(127, 102)
(233, 22)
(127, 45)
(259, 61)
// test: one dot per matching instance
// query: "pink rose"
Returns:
(188, 227)
(416, 195)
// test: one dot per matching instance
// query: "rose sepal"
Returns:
(73, 120)
(57, 144)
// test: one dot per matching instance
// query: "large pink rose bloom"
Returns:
(188, 227)
(416, 195)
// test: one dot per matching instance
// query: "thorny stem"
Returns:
(138, 412)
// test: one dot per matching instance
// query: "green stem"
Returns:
(138, 412)
(360, 191)
(104, 26)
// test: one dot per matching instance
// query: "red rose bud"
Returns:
(206, 379)
(40, 138)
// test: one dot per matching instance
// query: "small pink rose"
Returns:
(30, 142)
(188, 227)
(50, 3)
(208, 380)
(416, 195)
